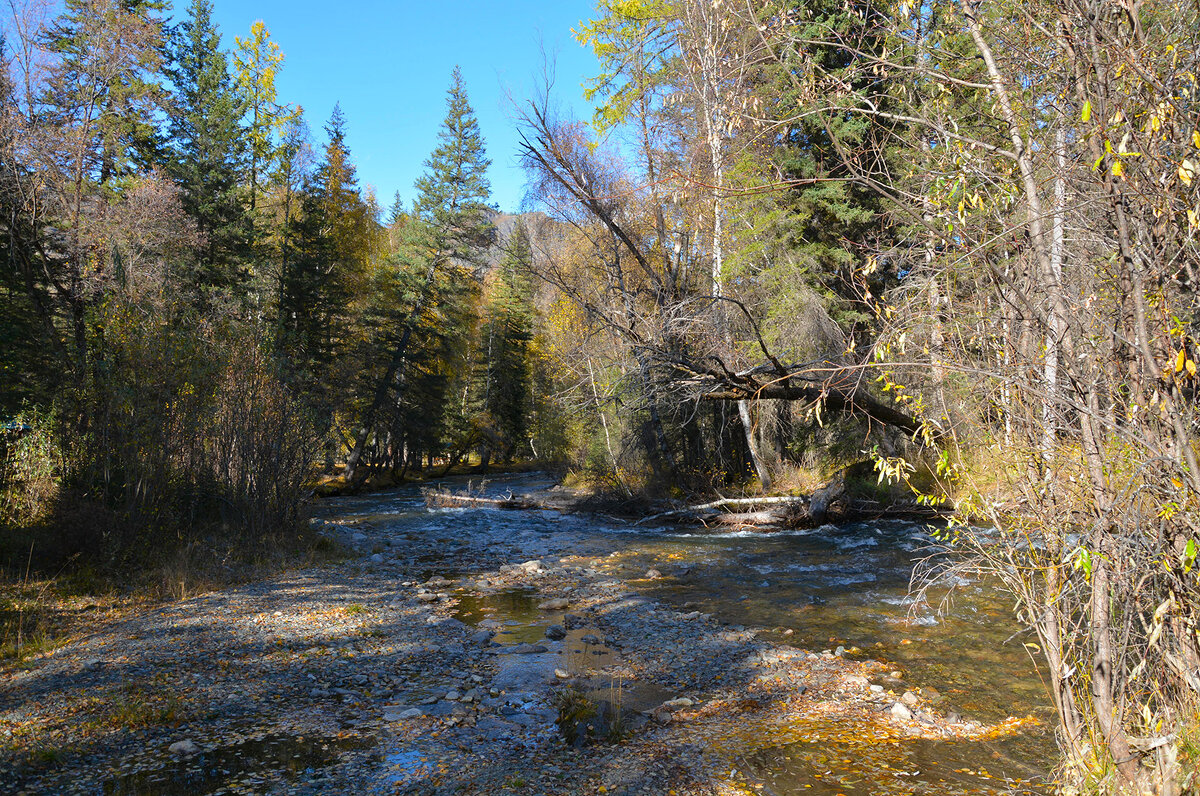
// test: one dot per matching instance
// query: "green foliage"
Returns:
(454, 192)
(504, 349)
(209, 152)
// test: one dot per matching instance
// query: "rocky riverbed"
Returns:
(471, 657)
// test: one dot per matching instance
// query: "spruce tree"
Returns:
(440, 253)
(209, 150)
(504, 347)
(454, 192)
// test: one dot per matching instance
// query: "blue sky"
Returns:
(388, 64)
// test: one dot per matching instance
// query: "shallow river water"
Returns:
(819, 589)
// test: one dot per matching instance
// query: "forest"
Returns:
(954, 242)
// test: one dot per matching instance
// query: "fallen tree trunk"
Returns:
(834, 401)
(436, 498)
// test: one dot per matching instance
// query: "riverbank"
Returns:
(424, 664)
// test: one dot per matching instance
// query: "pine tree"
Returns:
(330, 245)
(504, 347)
(454, 191)
(433, 273)
(110, 58)
(210, 153)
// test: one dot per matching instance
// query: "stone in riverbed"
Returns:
(376, 559)
(557, 604)
(556, 632)
(678, 704)
(528, 649)
(427, 597)
(187, 747)
(653, 574)
(483, 637)
(901, 712)
(910, 699)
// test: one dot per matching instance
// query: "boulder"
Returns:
(187, 747)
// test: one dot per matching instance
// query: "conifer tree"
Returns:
(210, 153)
(454, 191)
(504, 348)
(327, 269)
(110, 59)
(434, 272)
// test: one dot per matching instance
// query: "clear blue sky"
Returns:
(388, 64)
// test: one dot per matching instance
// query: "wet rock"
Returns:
(661, 715)
(427, 597)
(557, 604)
(571, 621)
(556, 632)
(901, 712)
(182, 748)
(590, 638)
(401, 713)
(482, 638)
(910, 699)
(376, 559)
(453, 696)
(653, 574)
(528, 649)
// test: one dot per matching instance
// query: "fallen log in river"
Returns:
(441, 499)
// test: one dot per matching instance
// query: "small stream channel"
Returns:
(818, 589)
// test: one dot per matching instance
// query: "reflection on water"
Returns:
(249, 766)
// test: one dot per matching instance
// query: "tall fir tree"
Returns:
(504, 348)
(209, 151)
(441, 253)
(453, 194)
(110, 58)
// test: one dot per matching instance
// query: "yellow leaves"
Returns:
(1191, 368)
(1180, 360)
(1118, 169)
(1086, 115)
(1187, 172)
(1196, 138)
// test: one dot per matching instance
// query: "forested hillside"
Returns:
(956, 241)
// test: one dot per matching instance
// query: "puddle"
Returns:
(513, 615)
(910, 766)
(584, 651)
(403, 768)
(255, 765)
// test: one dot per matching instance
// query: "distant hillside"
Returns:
(506, 223)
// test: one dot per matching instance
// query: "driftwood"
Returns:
(437, 498)
(830, 504)
(708, 508)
